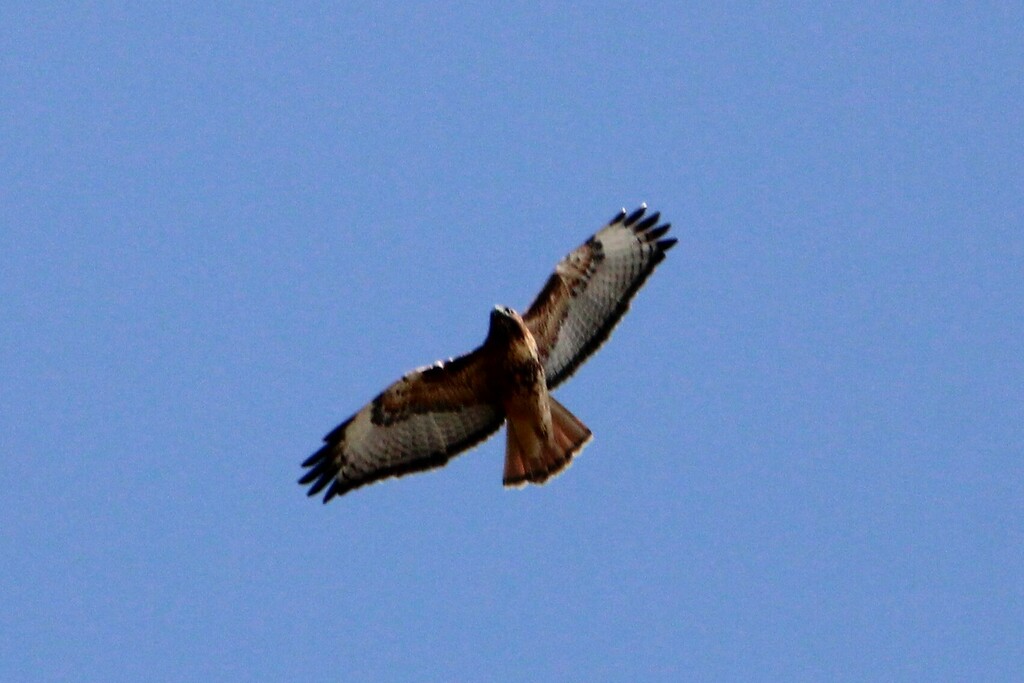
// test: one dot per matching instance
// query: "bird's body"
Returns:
(435, 412)
(541, 436)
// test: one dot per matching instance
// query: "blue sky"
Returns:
(226, 228)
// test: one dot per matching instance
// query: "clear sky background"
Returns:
(225, 229)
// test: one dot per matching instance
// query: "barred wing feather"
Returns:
(418, 423)
(591, 289)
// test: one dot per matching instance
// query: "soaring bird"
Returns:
(436, 412)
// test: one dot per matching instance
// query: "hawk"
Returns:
(436, 412)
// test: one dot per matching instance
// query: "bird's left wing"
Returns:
(417, 423)
(590, 291)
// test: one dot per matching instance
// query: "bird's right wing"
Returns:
(417, 423)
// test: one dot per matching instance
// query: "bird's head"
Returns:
(503, 312)
(506, 322)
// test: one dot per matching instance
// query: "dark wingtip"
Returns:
(635, 216)
(667, 244)
(323, 467)
(646, 223)
(618, 217)
(653, 235)
(322, 471)
(335, 490)
(320, 483)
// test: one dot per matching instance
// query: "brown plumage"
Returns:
(436, 412)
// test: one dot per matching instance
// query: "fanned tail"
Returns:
(568, 437)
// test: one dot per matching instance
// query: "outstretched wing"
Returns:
(417, 423)
(591, 289)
